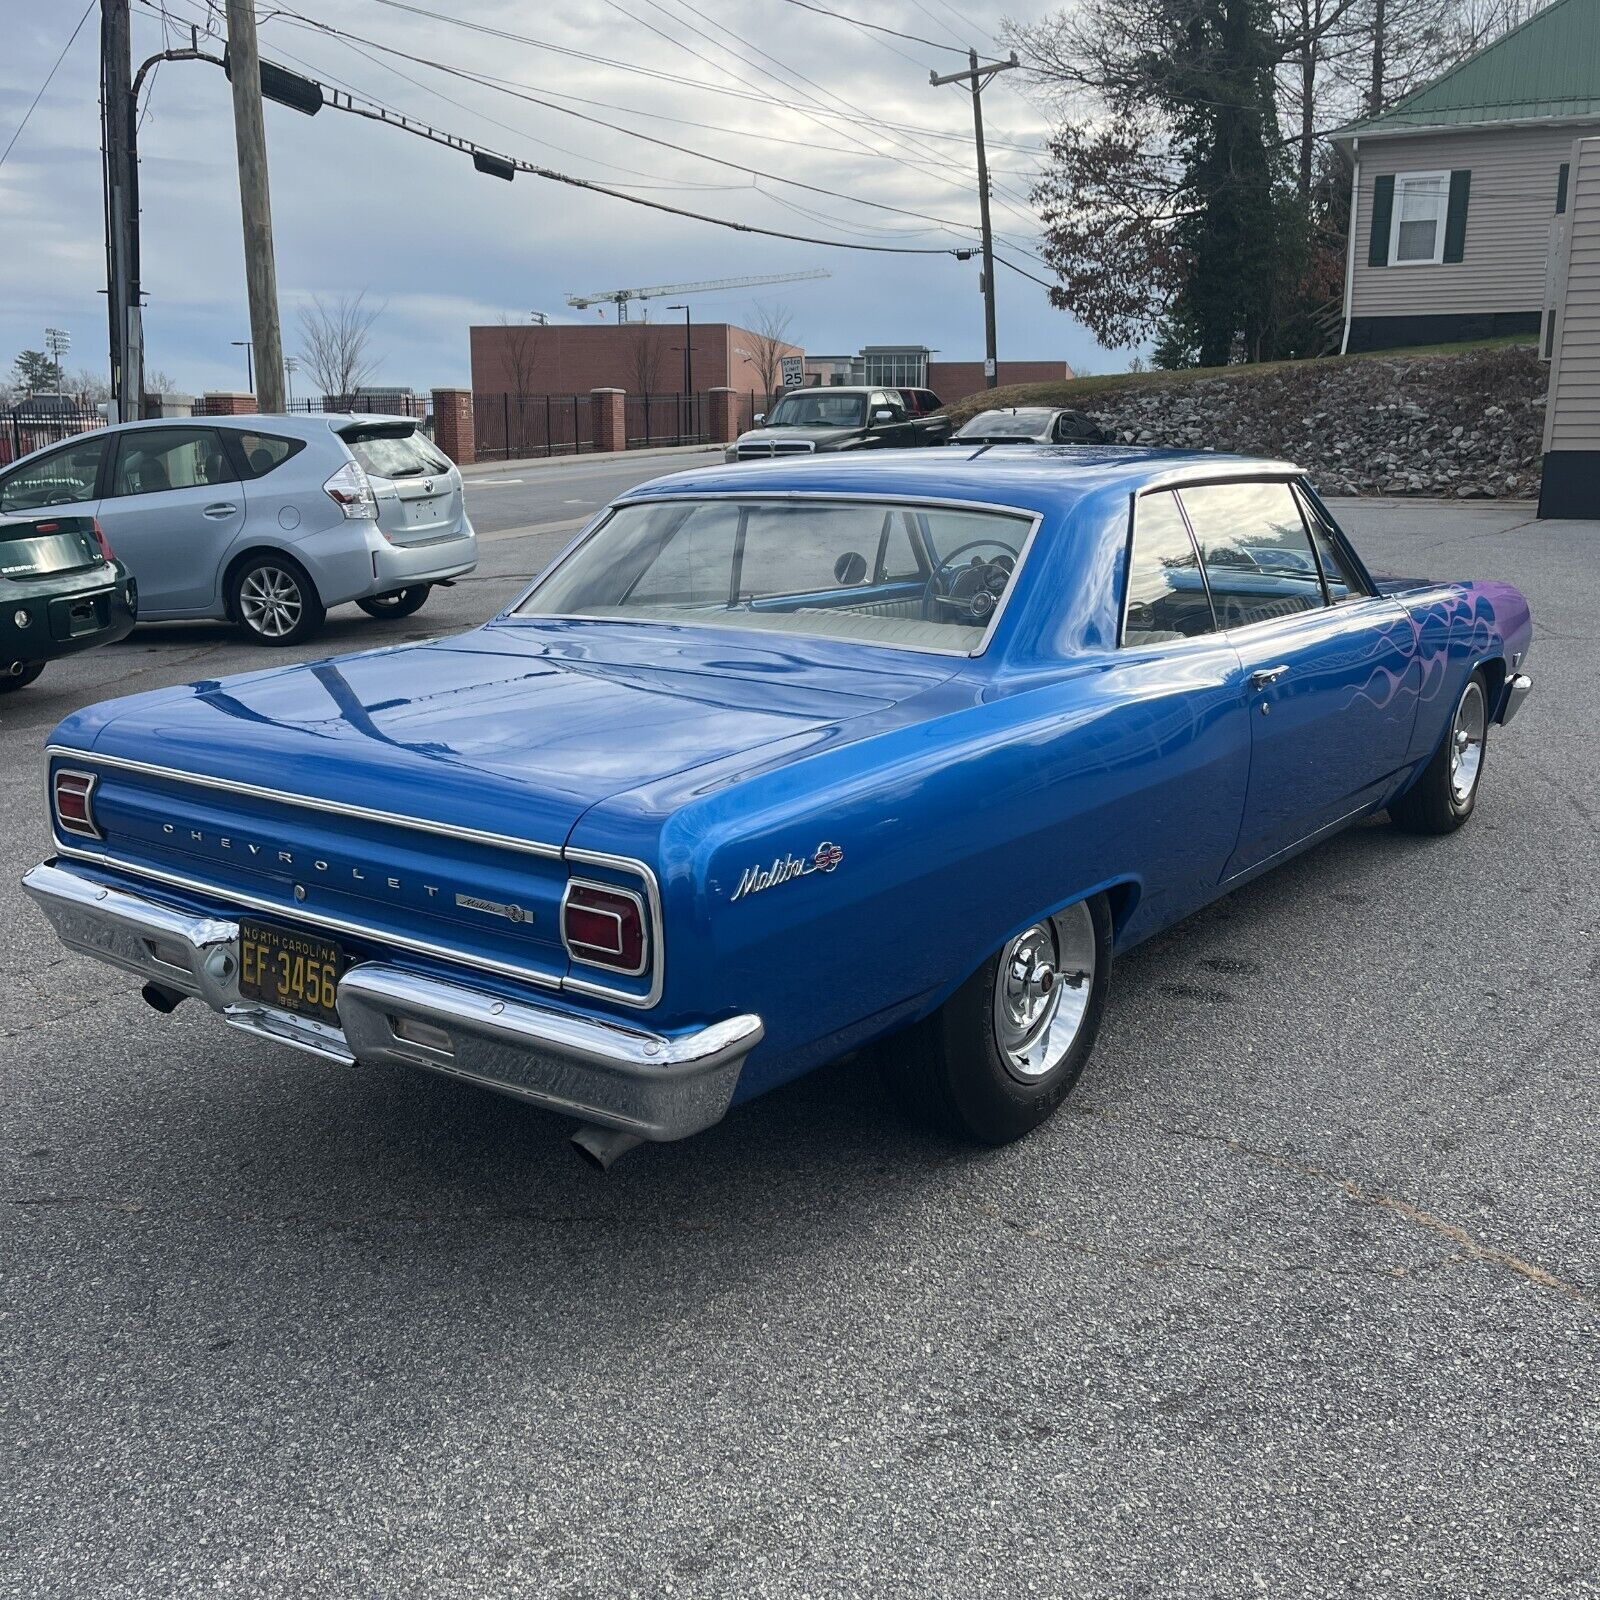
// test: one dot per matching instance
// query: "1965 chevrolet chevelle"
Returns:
(775, 762)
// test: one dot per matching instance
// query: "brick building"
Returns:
(911, 366)
(641, 357)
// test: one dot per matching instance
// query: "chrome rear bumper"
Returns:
(1518, 687)
(656, 1086)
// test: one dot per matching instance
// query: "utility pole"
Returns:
(260, 269)
(977, 76)
(121, 169)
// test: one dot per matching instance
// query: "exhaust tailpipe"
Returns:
(14, 668)
(165, 1000)
(602, 1148)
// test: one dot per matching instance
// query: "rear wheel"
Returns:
(1442, 798)
(18, 674)
(1007, 1047)
(398, 602)
(274, 600)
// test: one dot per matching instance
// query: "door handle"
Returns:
(220, 508)
(1265, 677)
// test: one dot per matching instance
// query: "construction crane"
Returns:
(621, 297)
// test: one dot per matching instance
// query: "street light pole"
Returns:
(688, 361)
(977, 76)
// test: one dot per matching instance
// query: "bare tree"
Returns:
(520, 344)
(645, 358)
(336, 344)
(769, 328)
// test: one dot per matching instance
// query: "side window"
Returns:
(263, 452)
(62, 478)
(170, 458)
(1258, 557)
(1338, 574)
(1166, 594)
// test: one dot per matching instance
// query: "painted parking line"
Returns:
(532, 530)
(493, 483)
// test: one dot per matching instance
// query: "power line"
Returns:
(33, 104)
(519, 94)
(876, 27)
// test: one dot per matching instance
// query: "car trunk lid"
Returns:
(419, 493)
(45, 547)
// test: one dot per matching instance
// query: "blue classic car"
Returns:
(773, 764)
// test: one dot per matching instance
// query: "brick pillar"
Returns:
(213, 404)
(724, 416)
(609, 411)
(453, 430)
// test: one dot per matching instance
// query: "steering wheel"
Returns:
(972, 592)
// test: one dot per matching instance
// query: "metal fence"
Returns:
(508, 426)
(378, 402)
(666, 419)
(24, 428)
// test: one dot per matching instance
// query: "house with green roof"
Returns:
(1454, 189)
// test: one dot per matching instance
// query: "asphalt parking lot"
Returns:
(1299, 1295)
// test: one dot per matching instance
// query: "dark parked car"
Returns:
(933, 423)
(1031, 425)
(808, 421)
(61, 591)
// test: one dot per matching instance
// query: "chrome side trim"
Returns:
(335, 808)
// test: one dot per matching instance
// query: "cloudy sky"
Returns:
(361, 207)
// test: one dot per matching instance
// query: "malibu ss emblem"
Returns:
(494, 908)
(787, 868)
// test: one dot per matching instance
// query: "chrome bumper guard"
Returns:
(655, 1086)
(1518, 687)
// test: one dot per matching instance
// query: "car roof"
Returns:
(1034, 477)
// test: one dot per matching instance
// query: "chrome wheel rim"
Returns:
(1466, 744)
(1041, 992)
(270, 602)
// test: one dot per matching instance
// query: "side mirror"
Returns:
(759, 419)
(850, 568)
(883, 414)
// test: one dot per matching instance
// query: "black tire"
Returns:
(273, 600)
(950, 1069)
(11, 678)
(1443, 797)
(398, 602)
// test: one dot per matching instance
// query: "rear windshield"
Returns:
(1015, 424)
(410, 456)
(915, 577)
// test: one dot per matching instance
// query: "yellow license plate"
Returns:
(291, 971)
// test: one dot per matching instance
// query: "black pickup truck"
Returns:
(806, 421)
(61, 591)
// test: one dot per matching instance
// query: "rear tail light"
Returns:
(604, 926)
(350, 489)
(73, 793)
(100, 539)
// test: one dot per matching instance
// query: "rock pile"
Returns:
(1467, 425)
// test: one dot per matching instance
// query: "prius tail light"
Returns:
(605, 926)
(73, 796)
(351, 490)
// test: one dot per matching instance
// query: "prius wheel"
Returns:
(398, 602)
(274, 600)
(1442, 798)
(18, 674)
(1006, 1049)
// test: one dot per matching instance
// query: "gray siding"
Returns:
(1508, 221)
(1572, 417)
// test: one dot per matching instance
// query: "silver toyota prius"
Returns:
(264, 520)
